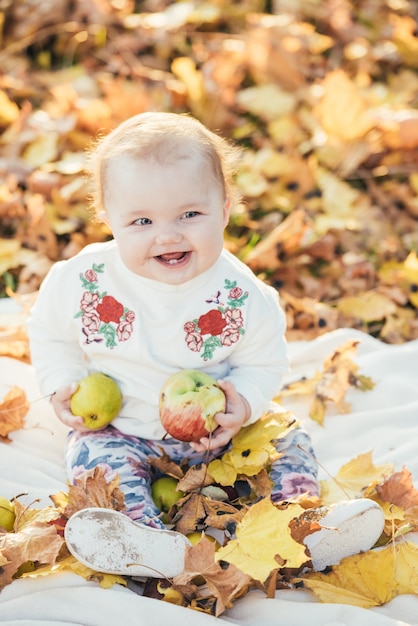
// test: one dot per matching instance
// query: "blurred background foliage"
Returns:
(321, 94)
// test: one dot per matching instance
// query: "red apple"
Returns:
(188, 403)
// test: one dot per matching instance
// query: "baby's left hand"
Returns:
(237, 412)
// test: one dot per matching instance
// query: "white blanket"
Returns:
(384, 420)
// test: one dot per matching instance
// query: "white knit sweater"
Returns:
(93, 314)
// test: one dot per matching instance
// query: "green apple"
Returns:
(164, 493)
(189, 401)
(97, 400)
(196, 536)
(7, 514)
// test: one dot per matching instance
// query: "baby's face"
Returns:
(168, 220)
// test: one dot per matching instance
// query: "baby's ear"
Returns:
(226, 210)
(102, 217)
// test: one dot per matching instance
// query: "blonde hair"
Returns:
(166, 138)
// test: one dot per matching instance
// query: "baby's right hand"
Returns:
(61, 402)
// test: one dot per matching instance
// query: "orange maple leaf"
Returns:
(12, 412)
(91, 489)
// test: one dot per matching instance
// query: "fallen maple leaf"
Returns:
(262, 535)
(224, 580)
(13, 409)
(398, 495)
(166, 466)
(353, 478)
(251, 449)
(91, 489)
(197, 509)
(369, 579)
(195, 477)
(70, 563)
(338, 374)
(35, 542)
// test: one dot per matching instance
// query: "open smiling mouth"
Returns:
(174, 259)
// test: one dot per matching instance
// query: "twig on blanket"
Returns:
(325, 470)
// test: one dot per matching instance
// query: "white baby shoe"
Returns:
(110, 542)
(349, 527)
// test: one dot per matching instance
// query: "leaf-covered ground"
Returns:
(259, 545)
(322, 94)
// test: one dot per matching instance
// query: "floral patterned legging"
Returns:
(294, 473)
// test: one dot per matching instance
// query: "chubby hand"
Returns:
(237, 412)
(60, 400)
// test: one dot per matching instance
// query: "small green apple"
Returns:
(164, 493)
(189, 401)
(196, 536)
(97, 400)
(7, 514)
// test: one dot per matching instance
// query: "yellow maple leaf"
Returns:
(371, 306)
(353, 478)
(70, 563)
(251, 448)
(369, 579)
(263, 534)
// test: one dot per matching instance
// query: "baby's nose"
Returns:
(168, 235)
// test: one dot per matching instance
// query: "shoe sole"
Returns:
(110, 542)
(345, 534)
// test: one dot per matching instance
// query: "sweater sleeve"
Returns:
(55, 351)
(260, 361)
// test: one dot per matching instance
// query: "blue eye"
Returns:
(190, 214)
(143, 221)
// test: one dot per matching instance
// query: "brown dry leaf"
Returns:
(224, 580)
(287, 238)
(196, 477)
(166, 466)
(13, 409)
(369, 579)
(339, 373)
(353, 478)
(92, 489)
(262, 535)
(197, 509)
(260, 483)
(398, 489)
(35, 542)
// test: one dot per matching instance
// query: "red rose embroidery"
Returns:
(103, 318)
(91, 276)
(89, 301)
(130, 317)
(189, 327)
(194, 342)
(91, 321)
(211, 323)
(124, 331)
(110, 310)
(235, 293)
(234, 318)
(230, 336)
(219, 327)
